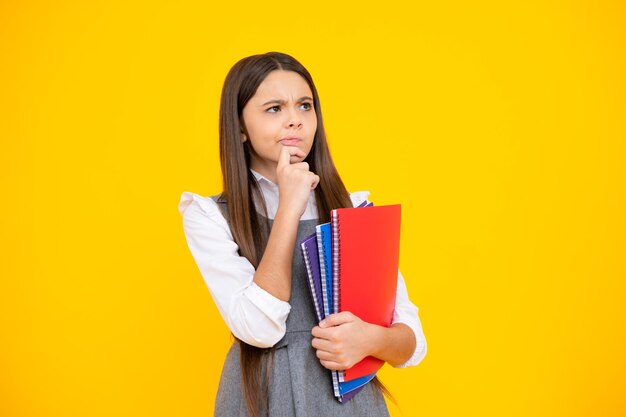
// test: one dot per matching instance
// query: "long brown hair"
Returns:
(240, 189)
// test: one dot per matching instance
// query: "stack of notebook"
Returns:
(352, 265)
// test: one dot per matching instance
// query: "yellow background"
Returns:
(499, 126)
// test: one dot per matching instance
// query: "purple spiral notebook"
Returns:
(309, 252)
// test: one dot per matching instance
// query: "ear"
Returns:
(242, 130)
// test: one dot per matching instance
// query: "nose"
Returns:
(294, 120)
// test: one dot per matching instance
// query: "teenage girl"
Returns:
(279, 182)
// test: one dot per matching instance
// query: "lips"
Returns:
(290, 141)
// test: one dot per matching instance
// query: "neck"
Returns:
(268, 170)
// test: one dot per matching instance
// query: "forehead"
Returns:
(283, 84)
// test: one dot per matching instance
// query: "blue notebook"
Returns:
(324, 242)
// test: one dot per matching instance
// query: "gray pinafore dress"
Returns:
(299, 386)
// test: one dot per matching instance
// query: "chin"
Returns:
(296, 159)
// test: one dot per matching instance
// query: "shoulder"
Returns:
(359, 197)
(192, 202)
(202, 215)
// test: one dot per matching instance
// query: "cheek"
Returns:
(312, 122)
(258, 132)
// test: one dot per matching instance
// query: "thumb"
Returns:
(336, 319)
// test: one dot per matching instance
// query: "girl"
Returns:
(279, 181)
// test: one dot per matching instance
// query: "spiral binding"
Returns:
(324, 271)
(336, 229)
(307, 264)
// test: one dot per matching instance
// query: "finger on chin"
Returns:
(289, 153)
(299, 157)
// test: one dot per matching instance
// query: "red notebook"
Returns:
(366, 244)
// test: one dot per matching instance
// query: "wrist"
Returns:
(377, 340)
(395, 344)
(286, 212)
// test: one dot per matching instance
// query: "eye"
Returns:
(306, 106)
(273, 109)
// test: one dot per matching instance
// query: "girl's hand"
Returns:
(342, 340)
(295, 181)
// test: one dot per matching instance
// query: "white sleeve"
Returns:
(251, 313)
(406, 313)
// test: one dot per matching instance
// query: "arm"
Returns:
(295, 183)
(251, 313)
(343, 339)
(252, 303)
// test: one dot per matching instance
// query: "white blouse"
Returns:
(251, 313)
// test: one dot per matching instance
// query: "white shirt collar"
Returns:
(260, 178)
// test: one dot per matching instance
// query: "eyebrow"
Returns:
(276, 101)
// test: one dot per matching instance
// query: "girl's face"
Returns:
(280, 113)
